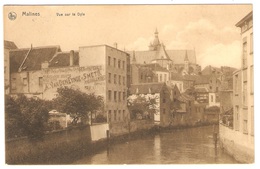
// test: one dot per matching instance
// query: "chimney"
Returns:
(115, 45)
(71, 57)
(31, 46)
(45, 65)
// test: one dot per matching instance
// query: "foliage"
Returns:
(77, 104)
(143, 106)
(28, 115)
(100, 119)
(213, 109)
(13, 118)
(35, 116)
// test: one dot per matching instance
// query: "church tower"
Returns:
(155, 45)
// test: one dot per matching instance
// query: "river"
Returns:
(184, 146)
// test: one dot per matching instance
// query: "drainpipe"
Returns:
(28, 81)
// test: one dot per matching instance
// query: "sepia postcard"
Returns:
(129, 84)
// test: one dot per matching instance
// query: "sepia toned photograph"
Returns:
(128, 84)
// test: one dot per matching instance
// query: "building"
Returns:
(142, 73)
(160, 92)
(103, 70)
(241, 136)
(26, 69)
(202, 95)
(8, 46)
(177, 61)
(183, 108)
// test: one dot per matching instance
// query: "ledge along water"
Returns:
(180, 146)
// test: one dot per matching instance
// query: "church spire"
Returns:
(156, 43)
(156, 31)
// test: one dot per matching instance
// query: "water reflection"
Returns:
(187, 146)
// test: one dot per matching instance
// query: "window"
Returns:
(245, 130)
(115, 93)
(160, 77)
(109, 95)
(119, 115)
(236, 84)
(119, 64)
(119, 96)
(119, 79)
(123, 80)
(251, 43)
(123, 114)
(245, 94)
(211, 98)
(114, 115)
(210, 87)
(252, 79)
(123, 65)
(165, 79)
(114, 62)
(141, 76)
(245, 74)
(109, 116)
(123, 95)
(164, 100)
(40, 82)
(25, 81)
(236, 118)
(244, 53)
(252, 120)
(109, 77)
(109, 61)
(114, 78)
(216, 89)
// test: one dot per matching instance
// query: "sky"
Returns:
(209, 29)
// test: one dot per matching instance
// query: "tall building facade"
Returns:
(116, 83)
(238, 137)
(244, 81)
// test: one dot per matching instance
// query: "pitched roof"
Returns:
(210, 69)
(161, 54)
(176, 76)
(247, 17)
(34, 57)
(145, 88)
(202, 79)
(185, 98)
(16, 59)
(9, 45)
(152, 66)
(62, 59)
(177, 56)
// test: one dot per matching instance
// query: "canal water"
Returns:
(183, 146)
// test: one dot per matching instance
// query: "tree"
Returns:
(25, 117)
(35, 115)
(77, 104)
(13, 118)
(142, 106)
